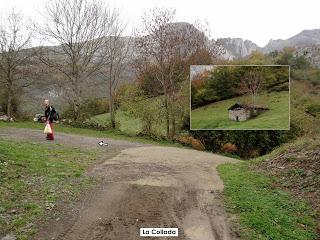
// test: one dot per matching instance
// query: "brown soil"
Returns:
(141, 186)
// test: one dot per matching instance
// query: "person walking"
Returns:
(49, 116)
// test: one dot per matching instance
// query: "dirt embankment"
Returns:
(297, 169)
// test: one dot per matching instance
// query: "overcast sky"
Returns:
(256, 20)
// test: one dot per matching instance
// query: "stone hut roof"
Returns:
(247, 106)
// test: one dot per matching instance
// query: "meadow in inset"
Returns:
(238, 97)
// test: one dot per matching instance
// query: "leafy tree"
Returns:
(133, 100)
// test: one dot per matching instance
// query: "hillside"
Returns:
(47, 83)
(215, 115)
(277, 196)
(297, 166)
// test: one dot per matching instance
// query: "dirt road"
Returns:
(142, 186)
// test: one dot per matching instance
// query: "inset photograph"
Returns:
(240, 97)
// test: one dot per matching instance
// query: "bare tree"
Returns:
(79, 28)
(15, 38)
(167, 45)
(118, 48)
(251, 83)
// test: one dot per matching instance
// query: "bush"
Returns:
(89, 125)
(310, 75)
(229, 148)
(89, 107)
(148, 110)
(248, 143)
(95, 106)
(190, 141)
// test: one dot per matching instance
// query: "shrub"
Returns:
(229, 148)
(89, 107)
(190, 141)
(246, 141)
(148, 110)
(95, 106)
(89, 125)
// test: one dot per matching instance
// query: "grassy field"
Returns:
(33, 178)
(215, 115)
(262, 210)
(127, 124)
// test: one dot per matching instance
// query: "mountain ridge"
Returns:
(240, 48)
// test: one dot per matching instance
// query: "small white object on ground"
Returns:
(101, 143)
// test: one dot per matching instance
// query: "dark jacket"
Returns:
(49, 113)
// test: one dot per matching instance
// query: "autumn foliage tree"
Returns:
(167, 46)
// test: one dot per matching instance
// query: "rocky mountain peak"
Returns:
(237, 47)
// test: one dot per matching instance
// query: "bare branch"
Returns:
(80, 28)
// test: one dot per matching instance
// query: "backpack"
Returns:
(55, 114)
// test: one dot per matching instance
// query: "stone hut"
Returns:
(241, 112)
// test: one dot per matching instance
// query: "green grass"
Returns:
(90, 132)
(215, 115)
(33, 178)
(127, 124)
(263, 211)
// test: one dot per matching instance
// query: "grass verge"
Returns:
(33, 178)
(90, 132)
(263, 211)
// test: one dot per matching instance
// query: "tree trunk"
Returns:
(173, 129)
(9, 103)
(76, 110)
(173, 117)
(166, 105)
(76, 107)
(112, 112)
(253, 100)
(9, 92)
(77, 98)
